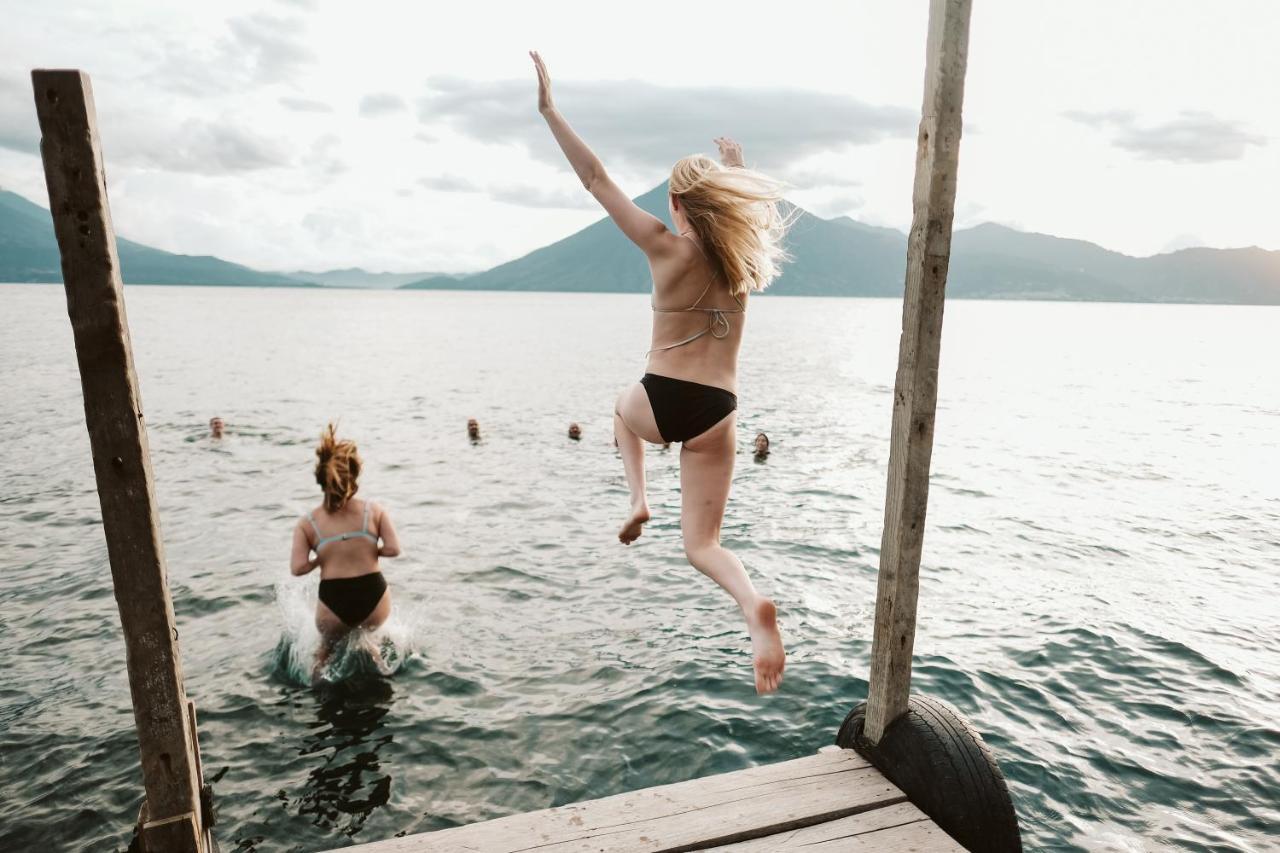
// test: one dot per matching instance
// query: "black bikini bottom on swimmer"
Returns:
(353, 599)
(686, 410)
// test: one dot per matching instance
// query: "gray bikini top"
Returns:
(362, 533)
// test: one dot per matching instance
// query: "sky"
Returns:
(405, 136)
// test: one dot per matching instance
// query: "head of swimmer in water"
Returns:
(337, 469)
(575, 431)
(734, 215)
(473, 429)
(762, 444)
(215, 427)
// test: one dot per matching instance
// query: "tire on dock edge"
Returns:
(941, 763)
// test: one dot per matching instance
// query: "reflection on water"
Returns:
(347, 782)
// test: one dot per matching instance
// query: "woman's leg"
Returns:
(633, 425)
(375, 620)
(706, 471)
(380, 613)
(332, 630)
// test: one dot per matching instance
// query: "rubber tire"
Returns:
(941, 764)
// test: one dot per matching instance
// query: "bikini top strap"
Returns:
(311, 518)
(364, 525)
(702, 295)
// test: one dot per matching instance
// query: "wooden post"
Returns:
(121, 459)
(916, 388)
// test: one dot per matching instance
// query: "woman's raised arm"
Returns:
(642, 228)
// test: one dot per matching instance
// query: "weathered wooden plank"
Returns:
(685, 816)
(121, 459)
(911, 838)
(892, 828)
(916, 386)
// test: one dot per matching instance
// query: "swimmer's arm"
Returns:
(390, 546)
(300, 560)
(641, 227)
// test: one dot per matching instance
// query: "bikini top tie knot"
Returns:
(717, 320)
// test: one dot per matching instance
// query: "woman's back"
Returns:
(697, 322)
(345, 540)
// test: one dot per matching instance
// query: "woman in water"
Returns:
(347, 536)
(726, 245)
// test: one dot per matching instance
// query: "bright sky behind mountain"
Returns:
(405, 135)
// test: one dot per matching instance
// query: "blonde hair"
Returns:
(337, 468)
(735, 213)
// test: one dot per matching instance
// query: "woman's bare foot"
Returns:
(766, 646)
(631, 528)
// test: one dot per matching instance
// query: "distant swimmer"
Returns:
(575, 431)
(347, 536)
(216, 426)
(727, 244)
(473, 430)
(761, 447)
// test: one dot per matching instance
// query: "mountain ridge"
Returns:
(832, 257)
(844, 257)
(29, 253)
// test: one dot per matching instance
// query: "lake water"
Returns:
(1098, 591)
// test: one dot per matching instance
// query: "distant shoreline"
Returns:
(494, 290)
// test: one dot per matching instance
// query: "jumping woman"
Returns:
(347, 536)
(727, 244)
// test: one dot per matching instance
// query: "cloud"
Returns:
(381, 104)
(304, 105)
(1192, 137)
(196, 146)
(648, 127)
(19, 129)
(530, 196)
(254, 50)
(275, 47)
(1102, 118)
(521, 195)
(323, 158)
(147, 141)
(838, 205)
(449, 184)
(809, 179)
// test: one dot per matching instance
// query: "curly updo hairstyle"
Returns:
(337, 469)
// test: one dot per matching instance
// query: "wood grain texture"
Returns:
(916, 385)
(899, 827)
(117, 436)
(692, 815)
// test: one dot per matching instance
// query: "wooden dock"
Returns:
(829, 802)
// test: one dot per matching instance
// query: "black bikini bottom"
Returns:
(686, 410)
(353, 599)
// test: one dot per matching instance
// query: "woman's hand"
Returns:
(544, 84)
(730, 152)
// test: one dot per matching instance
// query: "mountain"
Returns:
(29, 253)
(830, 258)
(844, 257)
(357, 277)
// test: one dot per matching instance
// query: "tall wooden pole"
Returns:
(121, 459)
(916, 389)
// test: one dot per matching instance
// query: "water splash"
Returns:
(359, 656)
